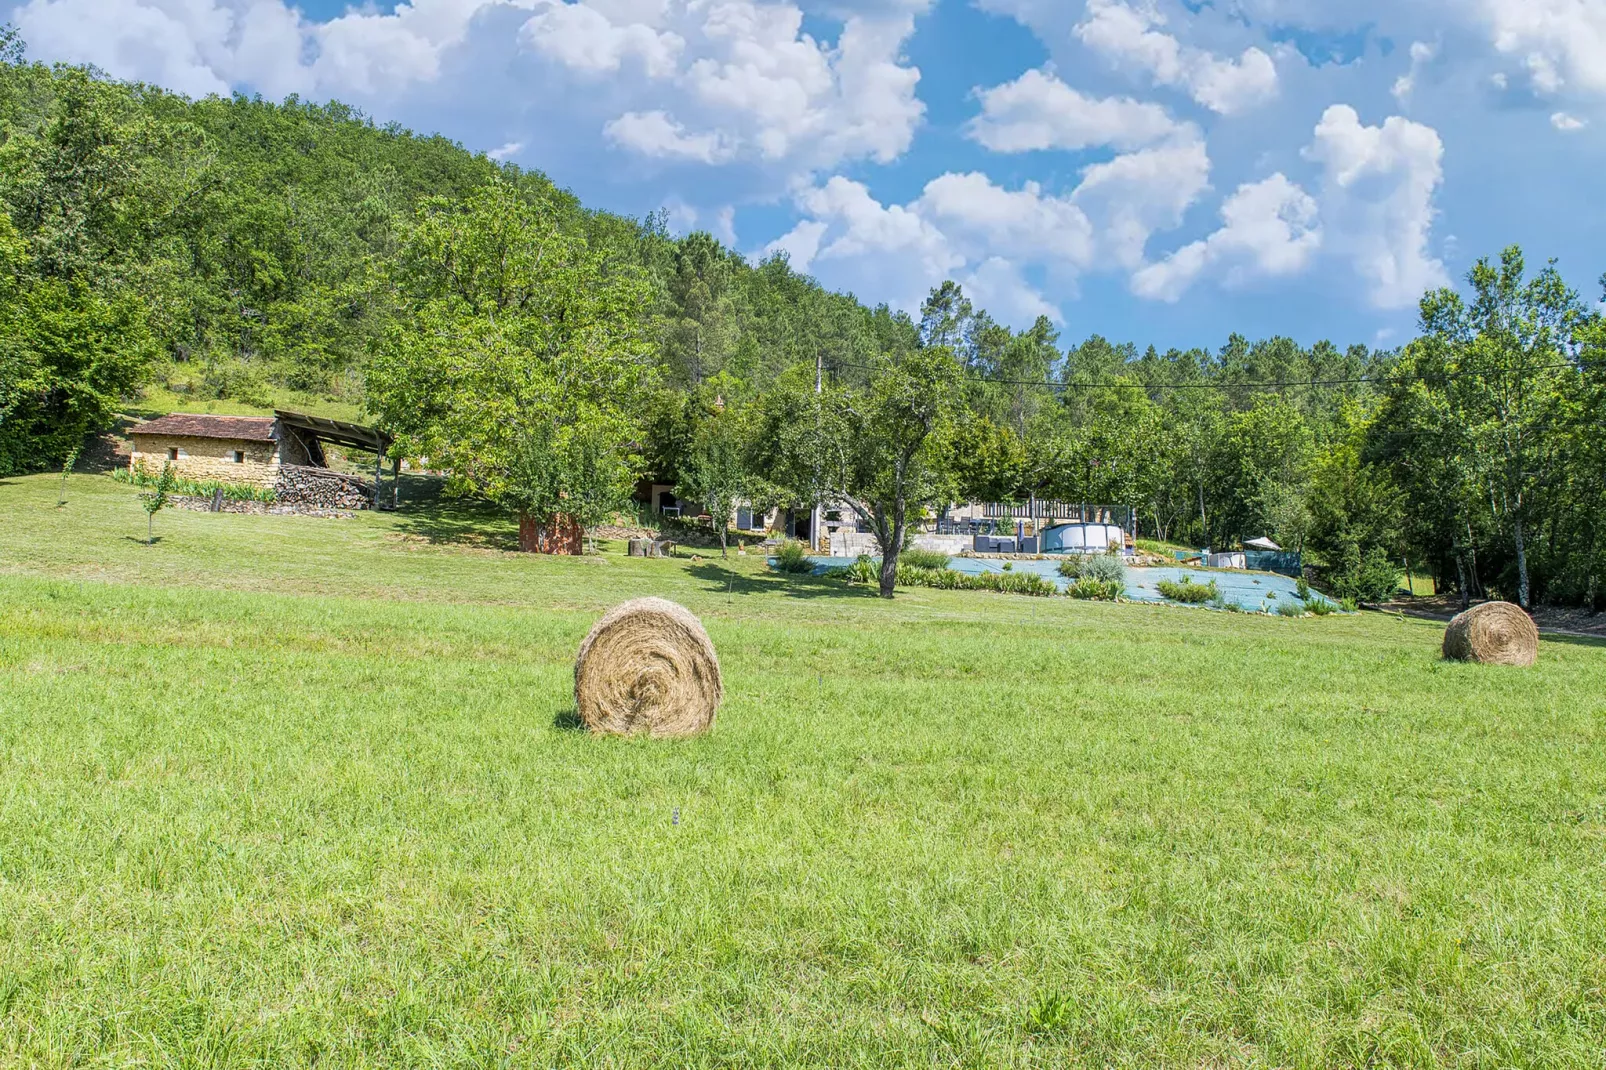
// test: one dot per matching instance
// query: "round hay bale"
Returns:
(1495, 633)
(647, 666)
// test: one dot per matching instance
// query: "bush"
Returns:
(1321, 607)
(1106, 568)
(1369, 577)
(1348, 605)
(1302, 590)
(792, 556)
(918, 558)
(234, 492)
(1290, 608)
(867, 570)
(1012, 583)
(1188, 592)
(1092, 590)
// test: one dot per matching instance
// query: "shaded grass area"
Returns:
(290, 791)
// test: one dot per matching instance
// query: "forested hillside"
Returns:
(542, 352)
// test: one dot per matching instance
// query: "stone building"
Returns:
(282, 452)
(225, 449)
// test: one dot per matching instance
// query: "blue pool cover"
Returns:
(1251, 591)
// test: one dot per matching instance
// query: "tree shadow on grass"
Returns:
(721, 580)
(139, 540)
(426, 510)
(1598, 642)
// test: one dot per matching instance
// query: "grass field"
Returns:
(284, 791)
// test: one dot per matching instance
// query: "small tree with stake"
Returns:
(154, 500)
(66, 470)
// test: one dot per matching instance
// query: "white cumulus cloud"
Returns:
(581, 37)
(1129, 35)
(1561, 42)
(709, 81)
(1038, 111)
(988, 237)
(654, 133)
(1422, 54)
(1377, 201)
(1269, 228)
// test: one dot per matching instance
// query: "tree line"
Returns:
(546, 356)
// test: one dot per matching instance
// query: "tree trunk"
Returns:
(150, 520)
(1522, 564)
(889, 567)
(891, 538)
(559, 534)
(722, 537)
(1461, 579)
(1204, 525)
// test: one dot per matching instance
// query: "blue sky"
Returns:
(1161, 171)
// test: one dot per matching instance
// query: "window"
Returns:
(172, 453)
(239, 456)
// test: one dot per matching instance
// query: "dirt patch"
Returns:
(1562, 620)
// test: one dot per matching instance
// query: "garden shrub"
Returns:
(1321, 607)
(1108, 567)
(1105, 568)
(917, 558)
(1092, 590)
(234, 492)
(792, 556)
(867, 570)
(1188, 592)
(1289, 608)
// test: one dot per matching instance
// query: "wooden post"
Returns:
(379, 473)
(395, 484)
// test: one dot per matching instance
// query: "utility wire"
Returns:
(1289, 385)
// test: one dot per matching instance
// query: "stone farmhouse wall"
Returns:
(208, 459)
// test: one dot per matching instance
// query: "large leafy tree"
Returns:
(1503, 363)
(700, 315)
(1260, 470)
(518, 355)
(714, 470)
(879, 449)
(86, 181)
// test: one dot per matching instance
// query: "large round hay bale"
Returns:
(1495, 633)
(648, 666)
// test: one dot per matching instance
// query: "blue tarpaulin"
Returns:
(1250, 591)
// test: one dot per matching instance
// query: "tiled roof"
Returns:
(240, 428)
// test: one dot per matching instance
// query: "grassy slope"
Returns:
(294, 790)
(157, 401)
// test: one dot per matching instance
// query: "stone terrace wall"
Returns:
(208, 459)
(321, 488)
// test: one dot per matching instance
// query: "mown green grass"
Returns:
(284, 791)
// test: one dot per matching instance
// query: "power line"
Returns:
(1577, 365)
